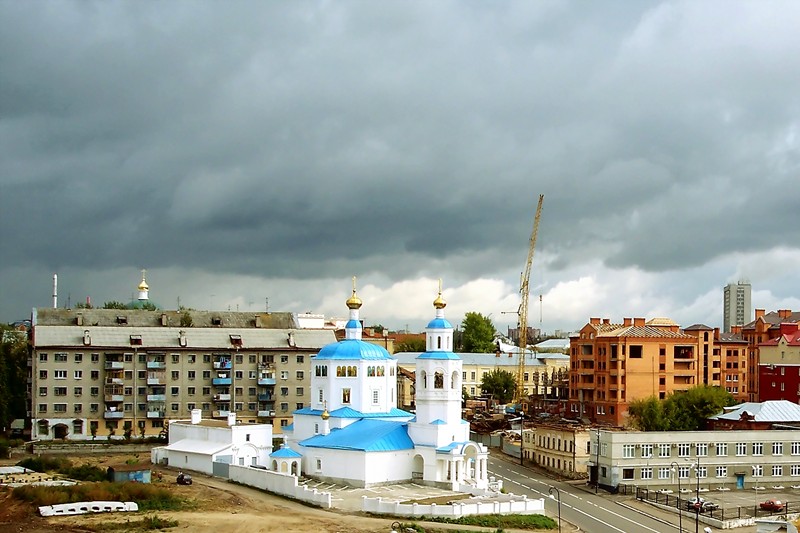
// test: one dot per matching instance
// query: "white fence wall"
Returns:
(513, 505)
(279, 483)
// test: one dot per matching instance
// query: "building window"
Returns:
(683, 472)
(60, 357)
(251, 391)
(206, 374)
(796, 448)
(284, 374)
(702, 449)
(284, 407)
(95, 374)
(758, 470)
(758, 448)
(43, 391)
(190, 374)
(628, 451)
(284, 391)
(42, 407)
(300, 359)
(375, 397)
(252, 374)
(42, 374)
(176, 375)
(174, 391)
(93, 407)
(60, 374)
(795, 470)
(741, 449)
(78, 407)
(647, 473)
(175, 358)
(722, 471)
(627, 474)
(59, 391)
(647, 451)
(285, 359)
(238, 374)
(777, 448)
(664, 472)
(78, 357)
(95, 358)
(722, 449)
(683, 449)
(174, 406)
(59, 407)
(299, 391)
(77, 391)
(300, 375)
(777, 470)
(345, 395)
(299, 405)
(42, 357)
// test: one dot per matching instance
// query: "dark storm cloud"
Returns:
(289, 139)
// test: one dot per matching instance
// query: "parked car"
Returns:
(184, 479)
(707, 507)
(693, 504)
(772, 505)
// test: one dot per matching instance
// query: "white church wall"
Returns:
(278, 483)
(513, 505)
(191, 461)
(388, 467)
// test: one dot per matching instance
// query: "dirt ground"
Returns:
(218, 507)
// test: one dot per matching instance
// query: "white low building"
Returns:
(197, 444)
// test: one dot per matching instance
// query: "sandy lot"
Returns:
(219, 507)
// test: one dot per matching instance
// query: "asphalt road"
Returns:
(591, 513)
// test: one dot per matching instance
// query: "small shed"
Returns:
(122, 473)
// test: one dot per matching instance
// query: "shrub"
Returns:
(148, 498)
(45, 463)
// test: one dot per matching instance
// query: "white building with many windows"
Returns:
(708, 459)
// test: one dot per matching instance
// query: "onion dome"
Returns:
(354, 302)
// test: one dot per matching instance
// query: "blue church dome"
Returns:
(353, 349)
(439, 323)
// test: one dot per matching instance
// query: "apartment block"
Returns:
(737, 309)
(779, 366)
(104, 373)
(559, 448)
(615, 364)
(765, 327)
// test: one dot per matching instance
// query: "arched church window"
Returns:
(424, 380)
(438, 380)
(340, 372)
(352, 372)
(345, 395)
(380, 371)
(454, 381)
(370, 371)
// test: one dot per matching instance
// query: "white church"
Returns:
(352, 433)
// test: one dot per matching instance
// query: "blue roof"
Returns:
(286, 453)
(365, 435)
(353, 349)
(437, 422)
(450, 447)
(439, 323)
(438, 355)
(353, 324)
(290, 427)
(349, 412)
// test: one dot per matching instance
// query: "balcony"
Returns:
(222, 365)
(113, 415)
(114, 365)
(114, 381)
(222, 397)
(221, 381)
(156, 381)
(156, 365)
(156, 414)
(112, 398)
(266, 413)
(617, 371)
(219, 414)
(156, 397)
(266, 397)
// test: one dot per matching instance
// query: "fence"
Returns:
(686, 505)
(513, 504)
(279, 483)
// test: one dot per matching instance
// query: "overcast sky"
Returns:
(262, 153)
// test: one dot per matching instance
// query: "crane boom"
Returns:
(524, 289)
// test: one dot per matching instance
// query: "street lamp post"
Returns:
(678, 503)
(597, 463)
(558, 493)
(697, 497)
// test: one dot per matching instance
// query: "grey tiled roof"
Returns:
(168, 337)
(142, 318)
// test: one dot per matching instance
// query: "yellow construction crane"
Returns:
(522, 314)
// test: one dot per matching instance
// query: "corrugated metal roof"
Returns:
(197, 446)
(46, 316)
(769, 411)
(353, 349)
(444, 356)
(365, 435)
(168, 337)
(487, 359)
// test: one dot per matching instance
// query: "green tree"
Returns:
(113, 304)
(13, 375)
(149, 306)
(501, 384)
(679, 411)
(411, 344)
(84, 305)
(478, 334)
(186, 319)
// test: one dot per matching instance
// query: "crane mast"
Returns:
(522, 314)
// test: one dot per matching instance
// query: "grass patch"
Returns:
(419, 529)
(148, 497)
(62, 465)
(513, 521)
(148, 523)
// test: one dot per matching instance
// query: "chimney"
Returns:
(784, 313)
(257, 321)
(716, 334)
(638, 322)
(290, 340)
(594, 321)
(606, 321)
(231, 419)
(87, 339)
(737, 330)
(626, 321)
(196, 416)
(759, 313)
(164, 319)
(79, 319)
